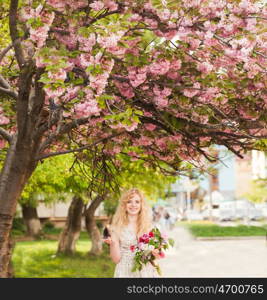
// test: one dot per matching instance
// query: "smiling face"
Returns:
(133, 205)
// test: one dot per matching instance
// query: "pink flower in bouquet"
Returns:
(164, 235)
(141, 246)
(149, 248)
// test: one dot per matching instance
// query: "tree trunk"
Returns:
(92, 228)
(72, 229)
(24, 144)
(18, 167)
(32, 222)
(10, 265)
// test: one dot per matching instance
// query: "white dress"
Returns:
(125, 265)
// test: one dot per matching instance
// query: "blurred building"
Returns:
(231, 179)
(235, 175)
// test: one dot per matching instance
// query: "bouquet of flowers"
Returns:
(149, 247)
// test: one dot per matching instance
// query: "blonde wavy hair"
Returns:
(120, 218)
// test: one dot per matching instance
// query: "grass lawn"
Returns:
(212, 230)
(37, 259)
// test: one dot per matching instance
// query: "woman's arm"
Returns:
(114, 244)
(115, 252)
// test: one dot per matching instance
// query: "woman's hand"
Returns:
(114, 248)
(155, 252)
(111, 240)
(108, 240)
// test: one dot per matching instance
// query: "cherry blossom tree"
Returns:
(163, 79)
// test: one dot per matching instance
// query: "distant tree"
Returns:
(258, 192)
(48, 183)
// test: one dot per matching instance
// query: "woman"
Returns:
(131, 220)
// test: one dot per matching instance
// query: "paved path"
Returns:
(219, 258)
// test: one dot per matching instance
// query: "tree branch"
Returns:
(5, 135)
(14, 32)
(64, 129)
(4, 52)
(79, 149)
(9, 92)
(261, 54)
(4, 83)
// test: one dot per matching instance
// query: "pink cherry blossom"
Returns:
(125, 89)
(160, 67)
(39, 35)
(87, 109)
(165, 92)
(85, 60)
(70, 40)
(204, 67)
(3, 120)
(111, 40)
(194, 44)
(87, 43)
(57, 75)
(144, 141)
(135, 18)
(131, 127)
(118, 51)
(251, 24)
(111, 5)
(97, 5)
(77, 4)
(57, 4)
(190, 92)
(99, 82)
(54, 93)
(148, 114)
(170, 34)
(137, 76)
(132, 153)
(164, 14)
(71, 93)
(2, 143)
(151, 22)
(209, 94)
(40, 63)
(161, 101)
(150, 127)
(148, 6)
(161, 143)
(193, 91)
(172, 74)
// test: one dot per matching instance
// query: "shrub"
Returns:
(48, 225)
(18, 227)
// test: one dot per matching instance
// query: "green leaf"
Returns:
(105, 97)
(35, 22)
(94, 70)
(171, 241)
(78, 81)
